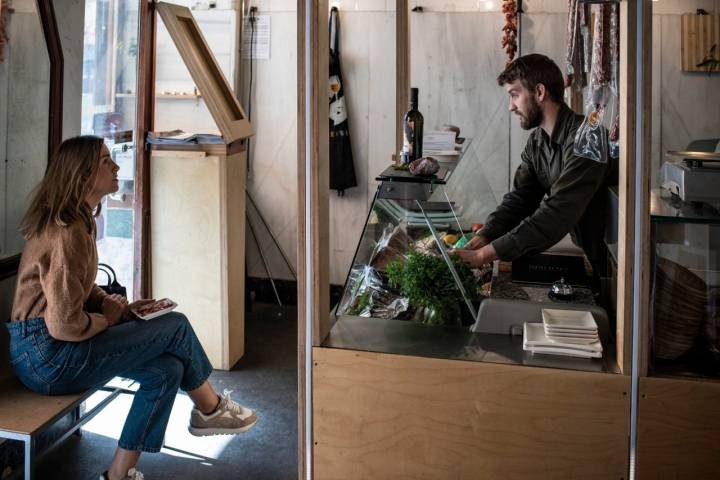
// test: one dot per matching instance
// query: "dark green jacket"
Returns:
(554, 192)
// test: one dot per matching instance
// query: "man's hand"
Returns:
(128, 314)
(477, 242)
(477, 258)
(113, 307)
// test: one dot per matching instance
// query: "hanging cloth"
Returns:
(342, 168)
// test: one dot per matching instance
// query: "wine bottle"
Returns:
(413, 128)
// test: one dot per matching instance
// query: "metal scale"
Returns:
(694, 174)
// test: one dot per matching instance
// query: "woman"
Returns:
(67, 335)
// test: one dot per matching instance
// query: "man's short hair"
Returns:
(532, 70)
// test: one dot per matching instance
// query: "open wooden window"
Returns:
(220, 99)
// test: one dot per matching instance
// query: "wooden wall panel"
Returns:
(399, 417)
(678, 429)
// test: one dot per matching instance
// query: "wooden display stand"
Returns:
(197, 194)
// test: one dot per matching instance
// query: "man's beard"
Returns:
(534, 116)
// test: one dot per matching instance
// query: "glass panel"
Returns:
(685, 200)
(108, 111)
(24, 118)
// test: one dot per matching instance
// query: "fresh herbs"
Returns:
(427, 282)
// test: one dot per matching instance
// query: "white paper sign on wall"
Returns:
(260, 33)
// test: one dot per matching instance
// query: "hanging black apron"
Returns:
(342, 169)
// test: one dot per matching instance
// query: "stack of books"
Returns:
(563, 332)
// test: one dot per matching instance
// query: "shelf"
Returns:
(679, 370)
(404, 337)
(664, 208)
(181, 96)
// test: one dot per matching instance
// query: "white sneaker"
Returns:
(133, 474)
(228, 418)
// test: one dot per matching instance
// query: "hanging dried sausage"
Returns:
(510, 29)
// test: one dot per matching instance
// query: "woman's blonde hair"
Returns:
(60, 197)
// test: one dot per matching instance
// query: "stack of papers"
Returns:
(439, 143)
(564, 332)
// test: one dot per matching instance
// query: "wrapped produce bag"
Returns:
(592, 140)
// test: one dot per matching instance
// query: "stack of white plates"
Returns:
(564, 332)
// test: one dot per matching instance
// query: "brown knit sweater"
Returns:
(56, 281)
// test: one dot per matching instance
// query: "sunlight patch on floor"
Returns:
(178, 441)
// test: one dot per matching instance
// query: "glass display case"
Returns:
(401, 295)
(685, 326)
(399, 271)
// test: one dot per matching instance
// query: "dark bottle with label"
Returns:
(413, 128)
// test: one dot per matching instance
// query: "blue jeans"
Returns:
(162, 354)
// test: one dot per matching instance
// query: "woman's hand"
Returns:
(113, 307)
(128, 314)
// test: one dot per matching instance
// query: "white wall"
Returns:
(272, 178)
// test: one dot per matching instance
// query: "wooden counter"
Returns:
(384, 416)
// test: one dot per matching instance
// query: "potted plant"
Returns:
(427, 282)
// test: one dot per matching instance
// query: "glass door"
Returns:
(108, 111)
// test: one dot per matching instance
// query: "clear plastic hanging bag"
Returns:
(365, 296)
(393, 243)
(598, 136)
(591, 139)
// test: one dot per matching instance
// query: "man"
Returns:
(554, 191)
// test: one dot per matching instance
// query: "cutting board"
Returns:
(699, 34)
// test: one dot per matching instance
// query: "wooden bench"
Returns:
(25, 415)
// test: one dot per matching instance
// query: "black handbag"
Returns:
(113, 286)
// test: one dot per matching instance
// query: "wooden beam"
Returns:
(57, 65)
(629, 123)
(313, 185)
(645, 172)
(145, 113)
(402, 66)
(320, 174)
